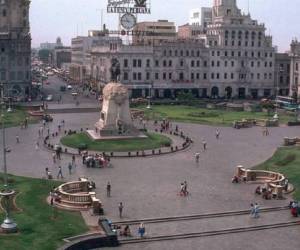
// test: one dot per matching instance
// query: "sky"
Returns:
(68, 18)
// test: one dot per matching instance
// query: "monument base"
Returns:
(98, 137)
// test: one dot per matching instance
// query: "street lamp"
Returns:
(149, 98)
(8, 225)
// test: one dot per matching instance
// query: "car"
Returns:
(49, 98)
(47, 118)
(74, 93)
(69, 87)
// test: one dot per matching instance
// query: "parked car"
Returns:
(69, 87)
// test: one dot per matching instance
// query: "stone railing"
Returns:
(291, 141)
(76, 195)
(273, 180)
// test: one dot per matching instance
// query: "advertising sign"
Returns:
(129, 6)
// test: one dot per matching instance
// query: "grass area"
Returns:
(152, 142)
(286, 161)
(191, 114)
(16, 117)
(38, 229)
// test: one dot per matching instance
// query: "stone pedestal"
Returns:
(115, 118)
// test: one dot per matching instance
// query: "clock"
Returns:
(128, 21)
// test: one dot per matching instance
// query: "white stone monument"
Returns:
(115, 117)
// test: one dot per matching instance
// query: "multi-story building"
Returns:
(61, 55)
(282, 74)
(231, 57)
(153, 33)
(80, 68)
(295, 69)
(15, 47)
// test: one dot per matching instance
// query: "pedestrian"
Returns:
(54, 157)
(73, 160)
(70, 168)
(47, 170)
(197, 157)
(121, 206)
(185, 188)
(37, 145)
(217, 134)
(17, 139)
(256, 210)
(59, 173)
(48, 131)
(267, 132)
(44, 122)
(108, 189)
(204, 145)
(142, 230)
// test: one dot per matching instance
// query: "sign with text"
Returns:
(129, 6)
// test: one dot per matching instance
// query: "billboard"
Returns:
(129, 6)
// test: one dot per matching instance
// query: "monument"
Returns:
(115, 118)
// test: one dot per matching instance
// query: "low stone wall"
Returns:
(274, 180)
(291, 141)
(76, 195)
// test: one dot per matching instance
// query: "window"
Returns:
(212, 63)
(271, 64)
(218, 76)
(147, 76)
(192, 63)
(170, 53)
(212, 53)
(232, 63)
(225, 53)
(125, 76)
(198, 63)
(181, 63)
(205, 63)
(170, 63)
(181, 76)
(239, 53)
(232, 75)
(156, 76)
(125, 63)
(232, 53)
(148, 63)
(270, 76)
(139, 63)
(170, 76)
(187, 53)
(266, 64)
(225, 75)
(192, 76)
(134, 64)
(134, 76)
(176, 53)
(218, 53)
(218, 63)
(258, 76)
(156, 63)
(139, 76)
(212, 76)
(258, 54)
(265, 76)
(4, 13)
(165, 63)
(296, 66)
(225, 63)
(164, 76)
(258, 64)
(197, 76)
(252, 64)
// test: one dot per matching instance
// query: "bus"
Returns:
(286, 102)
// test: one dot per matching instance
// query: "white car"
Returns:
(69, 87)
(49, 98)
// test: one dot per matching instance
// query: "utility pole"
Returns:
(8, 225)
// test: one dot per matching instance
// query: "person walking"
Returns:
(197, 157)
(54, 157)
(108, 189)
(121, 207)
(204, 145)
(60, 173)
(70, 168)
(73, 160)
(142, 230)
(217, 134)
(37, 145)
(252, 210)
(17, 139)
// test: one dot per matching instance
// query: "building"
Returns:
(80, 69)
(15, 46)
(200, 17)
(230, 56)
(61, 55)
(282, 74)
(148, 33)
(294, 54)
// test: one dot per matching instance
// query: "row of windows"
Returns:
(239, 53)
(182, 53)
(232, 63)
(15, 75)
(193, 76)
(246, 34)
(246, 43)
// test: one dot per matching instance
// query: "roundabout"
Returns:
(152, 141)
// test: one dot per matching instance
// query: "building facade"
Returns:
(294, 54)
(61, 55)
(230, 56)
(15, 47)
(153, 33)
(80, 69)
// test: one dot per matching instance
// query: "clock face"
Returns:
(128, 21)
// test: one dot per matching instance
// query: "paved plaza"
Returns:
(149, 187)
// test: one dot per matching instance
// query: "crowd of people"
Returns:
(95, 161)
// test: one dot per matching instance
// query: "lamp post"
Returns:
(8, 225)
(149, 98)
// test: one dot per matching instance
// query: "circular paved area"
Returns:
(148, 187)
